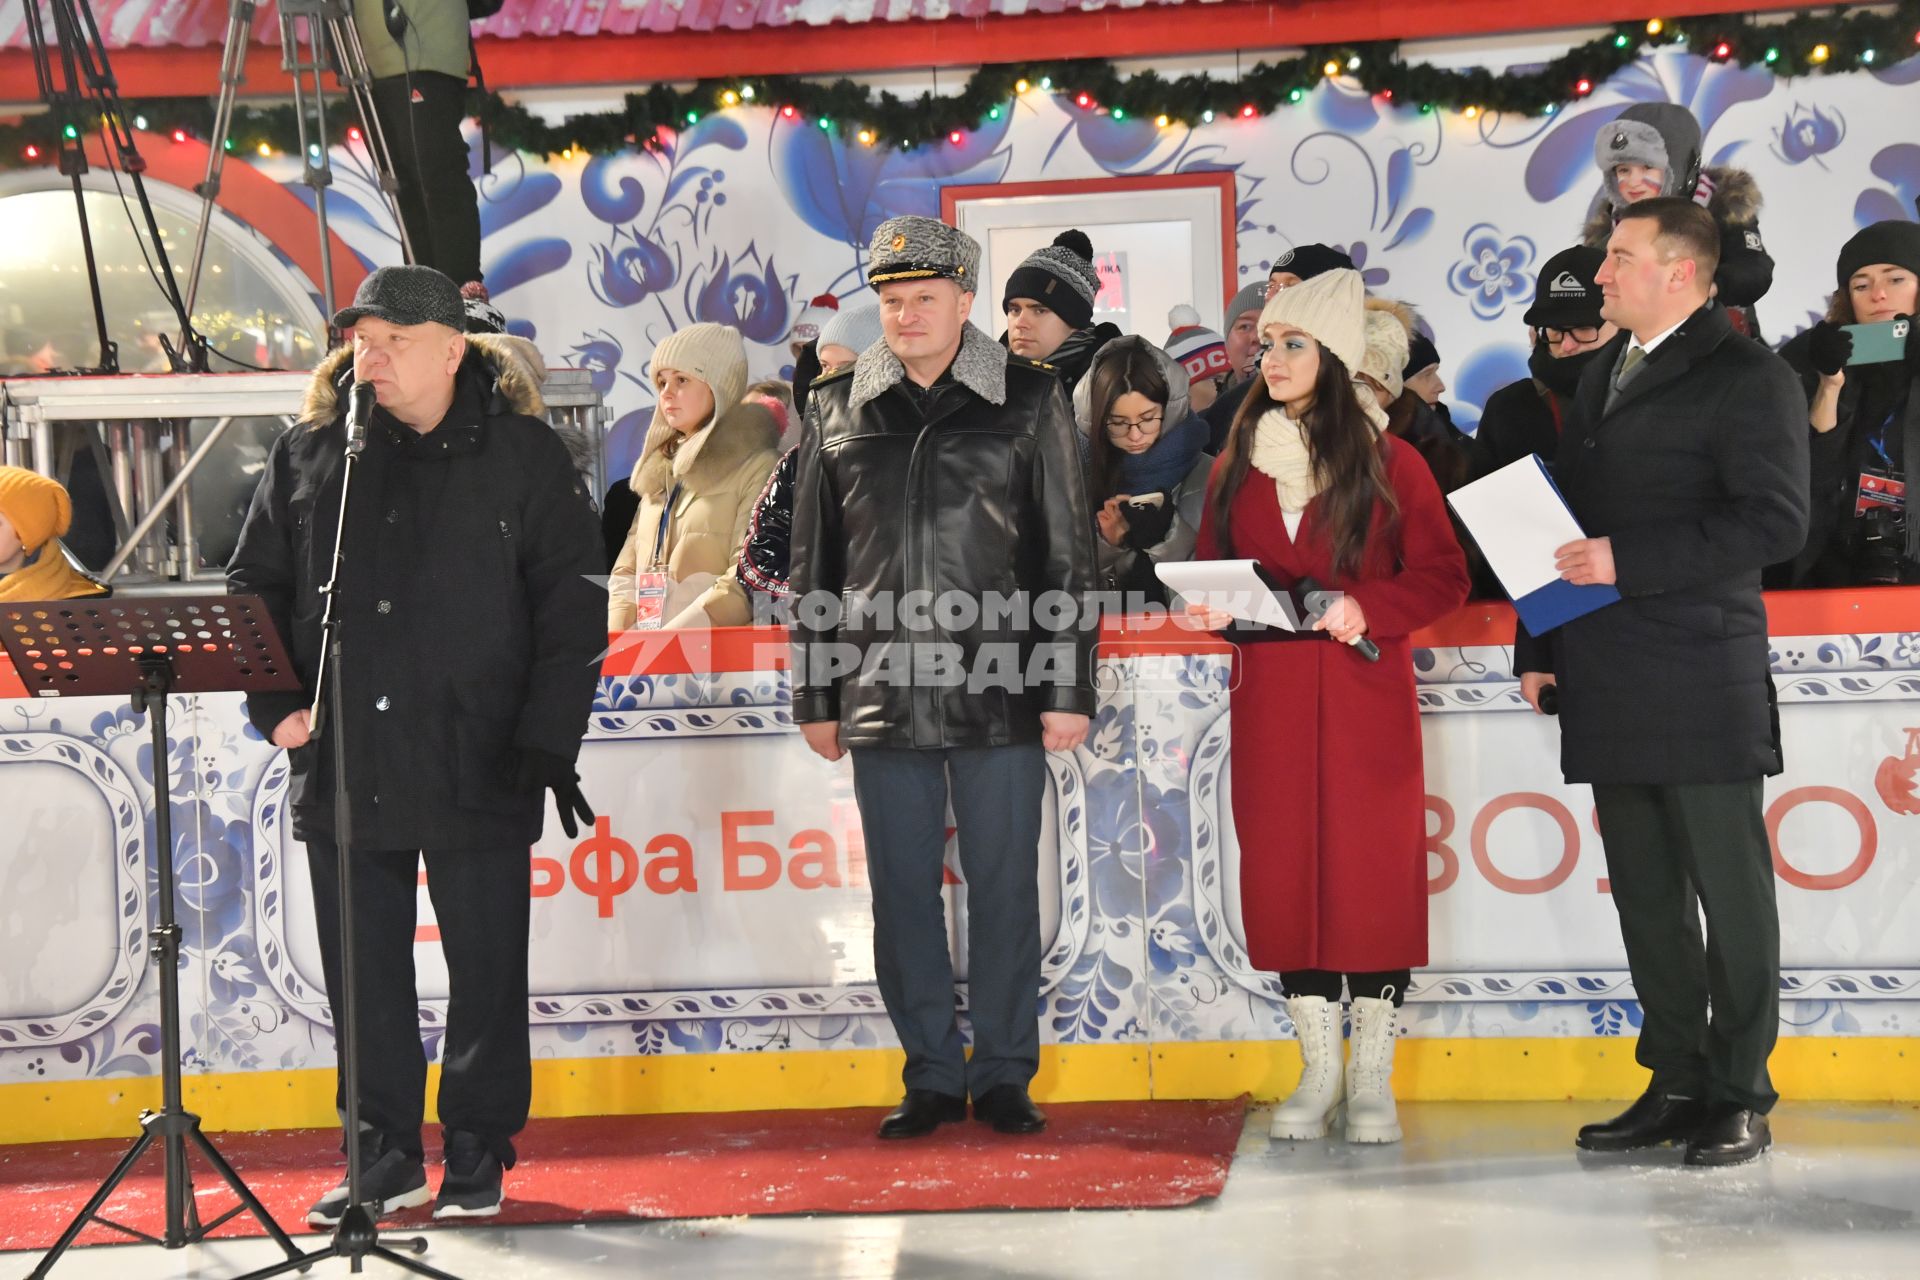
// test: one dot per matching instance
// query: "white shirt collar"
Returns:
(1653, 343)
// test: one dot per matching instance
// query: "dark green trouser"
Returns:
(1669, 847)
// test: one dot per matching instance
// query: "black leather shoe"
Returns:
(1732, 1135)
(1009, 1110)
(1652, 1121)
(921, 1112)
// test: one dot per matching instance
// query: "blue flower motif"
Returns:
(599, 354)
(622, 276)
(1808, 134)
(752, 300)
(1494, 272)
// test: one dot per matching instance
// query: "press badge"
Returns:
(650, 600)
(1879, 492)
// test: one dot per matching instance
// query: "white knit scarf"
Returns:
(1280, 453)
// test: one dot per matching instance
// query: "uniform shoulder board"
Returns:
(1037, 364)
(835, 376)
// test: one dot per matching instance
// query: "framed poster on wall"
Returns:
(1158, 241)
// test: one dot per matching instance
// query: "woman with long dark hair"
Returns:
(1146, 463)
(1329, 799)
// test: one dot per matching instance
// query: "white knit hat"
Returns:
(712, 353)
(856, 329)
(1331, 307)
(1386, 357)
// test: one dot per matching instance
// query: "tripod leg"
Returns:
(100, 1197)
(244, 1192)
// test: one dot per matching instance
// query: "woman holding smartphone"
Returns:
(1329, 798)
(1865, 416)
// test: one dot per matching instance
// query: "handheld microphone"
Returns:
(359, 416)
(1550, 700)
(1318, 600)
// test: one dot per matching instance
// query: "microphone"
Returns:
(1318, 600)
(359, 416)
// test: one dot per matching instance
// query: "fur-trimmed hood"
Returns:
(511, 365)
(1734, 201)
(709, 455)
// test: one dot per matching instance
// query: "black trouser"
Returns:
(1388, 984)
(437, 200)
(1667, 846)
(482, 898)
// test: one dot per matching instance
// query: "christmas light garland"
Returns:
(1834, 41)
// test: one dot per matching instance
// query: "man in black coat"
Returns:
(1685, 462)
(1568, 332)
(940, 498)
(470, 630)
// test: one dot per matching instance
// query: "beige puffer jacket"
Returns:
(720, 471)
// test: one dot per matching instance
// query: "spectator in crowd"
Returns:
(1449, 454)
(420, 53)
(1685, 461)
(34, 513)
(1654, 149)
(1568, 331)
(1865, 420)
(807, 325)
(1202, 353)
(1146, 463)
(889, 504)
(776, 397)
(706, 459)
(1295, 266)
(846, 336)
(1422, 373)
(1049, 301)
(1328, 796)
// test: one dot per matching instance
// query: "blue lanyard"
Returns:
(666, 515)
(1879, 440)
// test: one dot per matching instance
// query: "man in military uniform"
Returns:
(944, 468)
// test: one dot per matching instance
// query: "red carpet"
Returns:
(1102, 1155)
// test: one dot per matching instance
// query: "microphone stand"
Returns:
(357, 1237)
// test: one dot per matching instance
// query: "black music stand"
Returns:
(149, 648)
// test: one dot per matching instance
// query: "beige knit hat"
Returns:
(712, 353)
(1388, 329)
(1331, 307)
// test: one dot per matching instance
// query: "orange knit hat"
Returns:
(36, 507)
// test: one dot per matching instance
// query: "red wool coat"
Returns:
(1329, 798)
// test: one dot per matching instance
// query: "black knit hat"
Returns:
(1421, 354)
(1567, 297)
(1894, 243)
(1060, 277)
(1310, 260)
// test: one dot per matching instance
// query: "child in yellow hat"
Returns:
(34, 512)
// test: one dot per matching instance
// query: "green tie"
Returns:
(1629, 367)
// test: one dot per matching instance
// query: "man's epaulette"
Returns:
(835, 376)
(1034, 364)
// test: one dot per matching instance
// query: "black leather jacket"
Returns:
(941, 491)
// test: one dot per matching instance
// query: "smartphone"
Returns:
(1879, 343)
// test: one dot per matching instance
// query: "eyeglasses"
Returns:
(1584, 333)
(1121, 428)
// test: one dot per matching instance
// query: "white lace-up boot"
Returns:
(1371, 1115)
(1307, 1112)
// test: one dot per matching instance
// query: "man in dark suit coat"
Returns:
(1685, 462)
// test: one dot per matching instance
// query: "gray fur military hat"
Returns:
(917, 248)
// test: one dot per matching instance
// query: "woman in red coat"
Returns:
(1329, 800)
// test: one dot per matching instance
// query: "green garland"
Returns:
(1809, 43)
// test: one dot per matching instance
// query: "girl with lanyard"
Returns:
(1865, 420)
(706, 459)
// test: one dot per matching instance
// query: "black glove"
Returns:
(535, 770)
(1829, 347)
